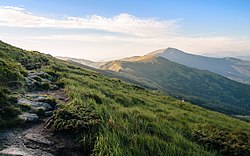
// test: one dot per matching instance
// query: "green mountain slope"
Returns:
(111, 117)
(232, 68)
(201, 87)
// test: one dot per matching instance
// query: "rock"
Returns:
(40, 74)
(42, 104)
(49, 100)
(23, 151)
(14, 151)
(38, 81)
(48, 113)
(37, 139)
(42, 98)
(35, 104)
(29, 117)
(36, 97)
(37, 78)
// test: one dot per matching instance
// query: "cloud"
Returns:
(97, 37)
(123, 23)
(12, 8)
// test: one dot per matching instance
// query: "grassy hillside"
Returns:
(14, 63)
(111, 117)
(201, 87)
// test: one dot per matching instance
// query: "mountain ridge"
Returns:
(184, 82)
(152, 61)
(232, 68)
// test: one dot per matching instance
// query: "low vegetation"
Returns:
(110, 117)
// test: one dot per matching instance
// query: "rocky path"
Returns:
(30, 138)
(17, 141)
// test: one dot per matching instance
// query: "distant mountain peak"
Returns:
(171, 48)
(157, 52)
(174, 50)
(167, 50)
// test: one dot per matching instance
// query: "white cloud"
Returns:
(123, 23)
(12, 8)
(125, 35)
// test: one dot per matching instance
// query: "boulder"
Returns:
(49, 99)
(35, 104)
(29, 117)
(14, 151)
(38, 81)
(23, 151)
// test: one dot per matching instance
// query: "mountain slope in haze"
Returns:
(82, 61)
(232, 68)
(111, 117)
(201, 87)
(242, 55)
(246, 57)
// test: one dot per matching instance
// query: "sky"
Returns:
(111, 29)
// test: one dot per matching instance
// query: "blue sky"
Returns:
(125, 28)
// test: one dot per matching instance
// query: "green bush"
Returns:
(76, 115)
(227, 142)
(10, 75)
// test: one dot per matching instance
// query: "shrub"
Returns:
(68, 119)
(10, 74)
(225, 141)
(9, 112)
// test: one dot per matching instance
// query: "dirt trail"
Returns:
(16, 141)
(37, 105)
(32, 139)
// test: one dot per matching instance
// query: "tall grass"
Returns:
(134, 121)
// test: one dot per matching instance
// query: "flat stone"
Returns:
(38, 74)
(37, 98)
(30, 117)
(35, 104)
(14, 151)
(23, 151)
